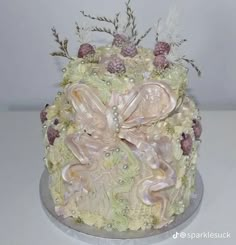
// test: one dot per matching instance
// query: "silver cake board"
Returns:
(93, 235)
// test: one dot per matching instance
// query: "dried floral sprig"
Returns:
(114, 22)
(179, 43)
(63, 46)
(78, 28)
(131, 21)
(157, 33)
(82, 32)
(134, 31)
(102, 29)
(143, 36)
(191, 62)
(117, 21)
(129, 15)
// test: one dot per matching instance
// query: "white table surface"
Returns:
(23, 222)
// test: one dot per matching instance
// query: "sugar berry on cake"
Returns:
(122, 136)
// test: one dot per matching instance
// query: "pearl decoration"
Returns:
(116, 118)
(108, 83)
(44, 126)
(63, 70)
(121, 181)
(47, 147)
(109, 226)
(125, 166)
(114, 108)
(117, 125)
(107, 154)
(73, 212)
(117, 130)
(59, 93)
(131, 80)
(45, 159)
(117, 149)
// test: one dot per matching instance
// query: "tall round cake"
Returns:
(122, 136)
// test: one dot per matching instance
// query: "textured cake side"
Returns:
(109, 194)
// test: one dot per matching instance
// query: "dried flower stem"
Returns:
(78, 29)
(103, 29)
(143, 36)
(131, 21)
(62, 46)
(114, 22)
(191, 62)
(178, 44)
(157, 33)
(129, 14)
(134, 31)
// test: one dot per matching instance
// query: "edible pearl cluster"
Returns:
(108, 154)
(116, 118)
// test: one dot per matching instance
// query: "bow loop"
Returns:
(149, 103)
(107, 124)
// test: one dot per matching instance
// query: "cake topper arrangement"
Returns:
(126, 37)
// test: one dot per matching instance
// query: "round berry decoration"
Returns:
(162, 48)
(116, 65)
(119, 40)
(160, 62)
(43, 114)
(129, 50)
(85, 50)
(186, 144)
(52, 134)
(197, 129)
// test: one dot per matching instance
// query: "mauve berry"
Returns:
(116, 65)
(161, 48)
(186, 144)
(52, 134)
(119, 40)
(129, 50)
(43, 114)
(197, 129)
(160, 62)
(56, 121)
(85, 49)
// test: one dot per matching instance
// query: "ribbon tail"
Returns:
(149, 190)
(148, 154)
(84, 147)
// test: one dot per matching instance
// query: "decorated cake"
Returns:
(122, 135)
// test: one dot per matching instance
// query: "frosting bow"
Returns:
(104, 126)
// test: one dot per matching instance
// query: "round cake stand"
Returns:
(93, 235)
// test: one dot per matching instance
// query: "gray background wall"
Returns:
(30, 77)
